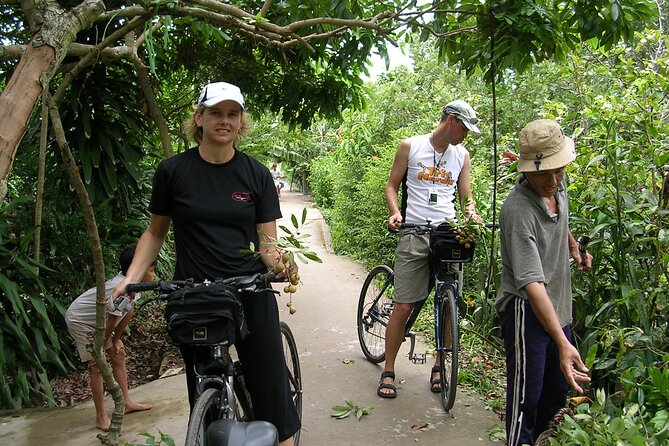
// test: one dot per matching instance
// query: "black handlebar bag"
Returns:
(205, 315)
(445, 248)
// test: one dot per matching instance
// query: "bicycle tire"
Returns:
(294, 372)
(207, 409)
(374, 308)
(448, 354)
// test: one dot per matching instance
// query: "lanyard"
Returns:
(434, 161)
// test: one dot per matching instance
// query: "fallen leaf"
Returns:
(419, 426)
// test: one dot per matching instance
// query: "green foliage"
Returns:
(349, 181)
(151, 440)
(30, 348)
(341, 412)
(524, 32)
(292, 241)
(605, 423)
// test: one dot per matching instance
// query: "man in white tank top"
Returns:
(430, 168)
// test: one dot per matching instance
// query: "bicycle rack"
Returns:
(416, 358)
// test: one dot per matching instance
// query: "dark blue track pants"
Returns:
(535, 386)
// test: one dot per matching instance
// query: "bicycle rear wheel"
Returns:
(294, 373)
(208, 408)
(448, 354)
(374, 308)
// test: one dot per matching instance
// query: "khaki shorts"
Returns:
(84, 341)
(412, 268)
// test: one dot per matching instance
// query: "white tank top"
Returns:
(431, 172)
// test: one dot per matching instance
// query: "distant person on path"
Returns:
(430, 168)
(534, 300)
(277, 177)
(219, 201)
(80, 318)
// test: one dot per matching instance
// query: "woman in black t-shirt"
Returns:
(218, 201)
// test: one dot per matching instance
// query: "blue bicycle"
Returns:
(449, 249)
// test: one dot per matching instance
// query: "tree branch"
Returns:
(265, 8)
(96, 252)
(88, 59)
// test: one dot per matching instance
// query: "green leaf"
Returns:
(340, 408)
(304, 215)
(313, 256)
(11, 291)
(294, 220)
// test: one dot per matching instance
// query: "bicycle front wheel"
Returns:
(294, 373)
(448, 354)
(207, 409)
(374, 308)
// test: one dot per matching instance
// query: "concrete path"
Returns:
(333, 368)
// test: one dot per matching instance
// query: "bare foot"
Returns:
(136, 407)
(103, 423)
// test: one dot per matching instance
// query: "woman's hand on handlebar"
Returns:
(119, 290)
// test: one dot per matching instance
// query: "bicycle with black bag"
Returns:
(450, 248)
(211, 314)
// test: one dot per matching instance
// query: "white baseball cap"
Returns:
(464, 112)
(218, 92)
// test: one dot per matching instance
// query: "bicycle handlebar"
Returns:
(422, 228)
(251, 283)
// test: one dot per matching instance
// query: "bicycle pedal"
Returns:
(418, 358)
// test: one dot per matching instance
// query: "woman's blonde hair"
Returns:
(194, 132)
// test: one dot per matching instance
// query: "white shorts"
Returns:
(84, 341)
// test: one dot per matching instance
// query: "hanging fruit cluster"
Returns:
(287, 266)
(466, 236)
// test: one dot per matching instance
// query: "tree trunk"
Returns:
(18, 100)
(39, 198)
(57, 29)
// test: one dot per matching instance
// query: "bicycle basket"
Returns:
(445, 248)
(205, 315)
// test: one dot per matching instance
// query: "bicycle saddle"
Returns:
(234, 433)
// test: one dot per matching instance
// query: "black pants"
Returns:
(261, 354)
(535, 386)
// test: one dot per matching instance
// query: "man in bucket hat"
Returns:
(534, 300)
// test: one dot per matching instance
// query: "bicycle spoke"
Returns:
(374, 308)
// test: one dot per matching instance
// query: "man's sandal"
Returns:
(435, 383)
(391, 387)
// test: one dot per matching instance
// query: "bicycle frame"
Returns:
(224, 380)
(441, 276)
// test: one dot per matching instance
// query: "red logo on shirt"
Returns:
(244, 197)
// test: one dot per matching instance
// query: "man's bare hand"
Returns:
(394, 222)
(573, 368)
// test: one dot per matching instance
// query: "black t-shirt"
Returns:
(214, 210)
